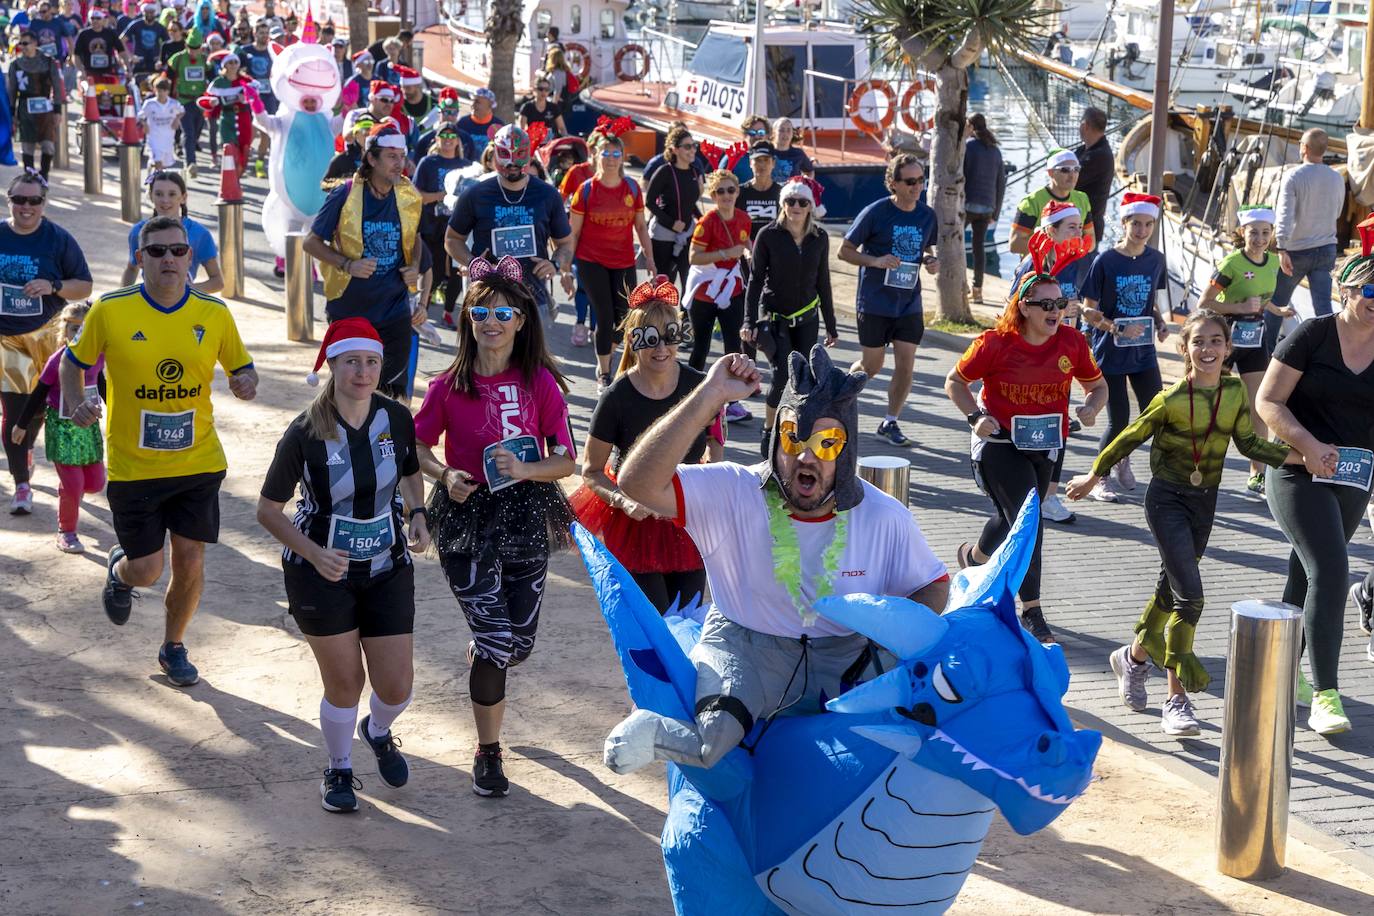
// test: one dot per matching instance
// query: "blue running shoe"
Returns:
(117, 597)
(175, 664)
(391, 766)
(337, 791)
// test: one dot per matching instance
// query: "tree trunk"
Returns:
(946, 186)
(357, 24)
(503, 76)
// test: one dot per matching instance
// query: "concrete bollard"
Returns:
(300, 289)
(90, 142)
(1257, 739)
(889, 474)
(130, 182)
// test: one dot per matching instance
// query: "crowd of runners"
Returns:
(434, 202)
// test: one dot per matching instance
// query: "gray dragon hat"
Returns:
(818, 389)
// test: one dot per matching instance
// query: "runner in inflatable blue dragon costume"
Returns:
(882, 802)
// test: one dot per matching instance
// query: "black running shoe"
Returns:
(1034, 621)
(1365, 602)
(488, 779)
(176, 664)
(337, 791)
(117, 597)
(391, 766)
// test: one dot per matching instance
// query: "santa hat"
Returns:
(409, 77)
(386, 135)
(807, 188)
(1057, 210)
(1139, 205)
(363, 57)
(1061, 157)
(383, 90)
(342, 337)
(1256, 214)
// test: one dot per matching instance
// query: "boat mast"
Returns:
(1159, 112)
(1367, 91)
(759, 95)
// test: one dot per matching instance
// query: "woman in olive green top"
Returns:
(1192, 422)
(1241, 290)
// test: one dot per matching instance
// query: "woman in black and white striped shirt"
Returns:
(349, 580)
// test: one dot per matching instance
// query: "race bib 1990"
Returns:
(1354, 468)
(1125, 328)
(361, 539)
(1247, 333)
(903, 277)
(167, 432)
(1038, 433)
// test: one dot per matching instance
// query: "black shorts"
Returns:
(143, 511)
(879, 330)
(1248, 359)
(395, 337)
(381, 606)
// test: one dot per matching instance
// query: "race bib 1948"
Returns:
(167, 432)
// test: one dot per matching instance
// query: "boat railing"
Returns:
(667, 60)
(809, 103)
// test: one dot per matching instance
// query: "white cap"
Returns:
(1061, 157)
(1247, 215)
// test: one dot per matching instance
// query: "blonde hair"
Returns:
(658, 313)
(75, 311)
(1196, 320)
(719, 176)
(322, 417)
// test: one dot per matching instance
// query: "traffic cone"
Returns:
(91, 112)
(130, 134)
(230, 192)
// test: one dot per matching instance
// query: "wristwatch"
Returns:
(56, 286)
(977, 415)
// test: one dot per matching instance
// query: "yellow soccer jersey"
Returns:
(159, 364)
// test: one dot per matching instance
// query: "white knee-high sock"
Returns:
(383, 714)
(337, 725)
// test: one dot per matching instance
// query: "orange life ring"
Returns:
(573, 50)
(856, 98)
(908, 100)
(633, 75)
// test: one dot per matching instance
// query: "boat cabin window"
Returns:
(828, 96)
(784, 65)
(542, 20)
(607, 23)
(721, 57)
(575, 19)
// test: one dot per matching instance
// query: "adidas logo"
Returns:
(335, 460)
(138, 335)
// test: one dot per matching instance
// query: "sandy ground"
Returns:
(121, 792)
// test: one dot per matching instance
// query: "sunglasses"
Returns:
(726, 189)
(825, 444)
(447, 133)
(756, 132)
(504, 313)
(911, 182)
(25, 200)
(1069, 169)
(611, 154)
(688, 145)
(1048, 305)
(797, 202)
(1366, 291)
(541, 88)
(648, 337)
(179, 250)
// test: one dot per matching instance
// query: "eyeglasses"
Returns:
(611, 154)
(825, 444)
(726, 189)
(911, 182)
(797, 202)
(1069, 169)
(648, 337)
(179, 250)
(504, 313)
(26, 200)
(1048, 305)
(690, 144)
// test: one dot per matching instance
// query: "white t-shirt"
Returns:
(160, 115)
(725, 513)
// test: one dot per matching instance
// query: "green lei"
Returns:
(787, 553)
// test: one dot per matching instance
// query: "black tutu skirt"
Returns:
(528, 519)
(649, 545)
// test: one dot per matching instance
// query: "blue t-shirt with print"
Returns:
(381, 298)
(487, 205)
(257, 66)
(789, 162)
(884, 228)
(47, 253)
(145, 40)
(197, 236)
(1068, 278)
(475, 136)
(429, 177)
(1123, 287)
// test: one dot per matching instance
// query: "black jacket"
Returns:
(786, 276)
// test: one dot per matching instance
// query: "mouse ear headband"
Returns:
(508, 268)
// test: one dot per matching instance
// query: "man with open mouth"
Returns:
(774, 538)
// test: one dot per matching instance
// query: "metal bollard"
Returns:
(417, 56)
(62, 157)
(130, 185)
(90, 142)
(889, 474)
(300, 289)
(231, 247)
(1257, 739)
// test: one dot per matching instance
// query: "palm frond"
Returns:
(943, 26)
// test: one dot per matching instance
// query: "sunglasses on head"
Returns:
(1048, 305)
(503, 313)
(797, 202)
(825, 444)
(178, 250)
(611, 154)
(26, 200)
(648, 337)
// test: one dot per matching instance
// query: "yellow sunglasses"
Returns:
(825, 444)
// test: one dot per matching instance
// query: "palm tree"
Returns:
(943, 38)
(504, 27)
(356, 11)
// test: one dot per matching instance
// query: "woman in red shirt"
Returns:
(607, 214)
(715, 284)
(1020, 418)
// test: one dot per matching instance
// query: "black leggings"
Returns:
(444, 274)
(501, 601)
(704, 315)
(1145, 383)
(608, 289)
(1007, 474)
(665, 590)
(1180, 518)
(799, 338)
(979, 225)
(18, 455)
(674, 266)
(1319, 519)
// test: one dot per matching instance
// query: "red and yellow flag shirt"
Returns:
(1024, 380)
(159, 364)
(608, 222)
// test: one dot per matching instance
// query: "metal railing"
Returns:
(809, 103)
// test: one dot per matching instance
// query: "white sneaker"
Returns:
(1124, 475)
(1105, 491)
(630, 745)
(1178, 719)
(1054, 510)
(22, 504)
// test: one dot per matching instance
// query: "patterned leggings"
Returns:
(501, 600)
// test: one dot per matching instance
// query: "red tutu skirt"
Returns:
(650, 545)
